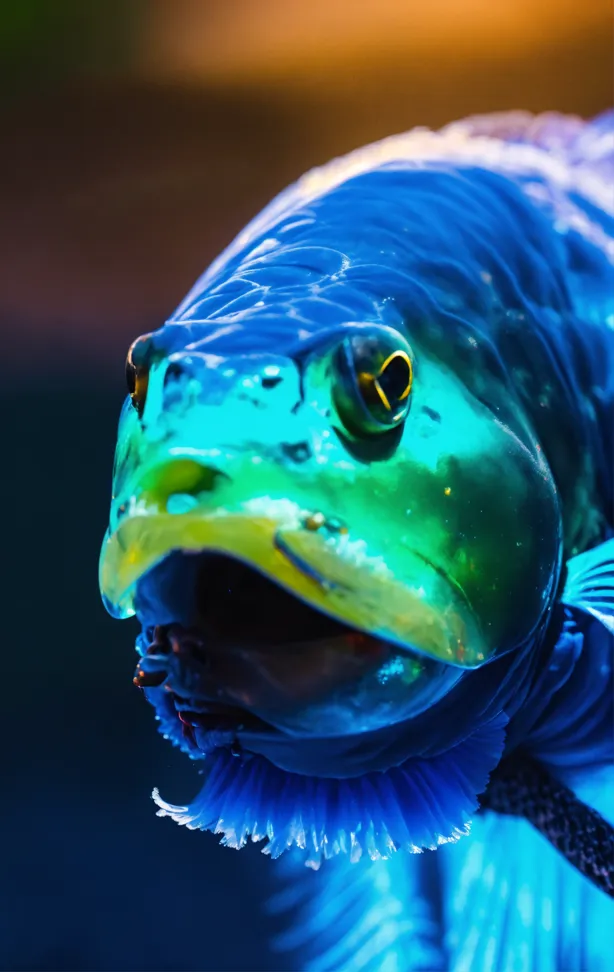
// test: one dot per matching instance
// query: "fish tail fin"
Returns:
(511, 901)
(371, 916)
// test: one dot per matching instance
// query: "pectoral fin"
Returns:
(590, 583)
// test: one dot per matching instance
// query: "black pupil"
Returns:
(394, 379)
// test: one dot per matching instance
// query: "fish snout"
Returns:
(230, 410)
(191, 378)
(215, 432)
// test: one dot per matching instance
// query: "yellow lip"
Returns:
(336, 575)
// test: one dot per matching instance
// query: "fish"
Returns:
(363, 510)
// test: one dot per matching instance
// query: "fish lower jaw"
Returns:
(169, 674)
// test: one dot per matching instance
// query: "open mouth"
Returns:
(274, 616)
(226, 642)
(391, 593)
(175, 659)
(237, 654)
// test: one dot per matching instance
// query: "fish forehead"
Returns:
(316, 281)
(350, 252)
(470, 181)
(460, 145)
(357, 259)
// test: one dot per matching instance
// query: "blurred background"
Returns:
(137, 138)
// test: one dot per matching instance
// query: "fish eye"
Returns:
(373, 376)
(137, 372)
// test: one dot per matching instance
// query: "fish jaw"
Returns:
(328, 568)
(214, 465)
(221, 463)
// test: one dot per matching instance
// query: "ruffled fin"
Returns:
(590, 583)
(368, 917)
(420, 804)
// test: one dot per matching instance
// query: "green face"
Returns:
(369, 483)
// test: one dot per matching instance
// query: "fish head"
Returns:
(322, 541)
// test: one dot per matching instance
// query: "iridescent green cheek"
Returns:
(377, 491)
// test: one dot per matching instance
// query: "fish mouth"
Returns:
(173, 672)
(271, 619)
(322, 563)
(230, 653)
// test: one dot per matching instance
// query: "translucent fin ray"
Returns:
(511, 902)
(590, 583)
(420, 804)
(367, 918)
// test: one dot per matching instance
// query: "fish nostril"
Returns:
(174, 372)
(296, 451)
(271, 381)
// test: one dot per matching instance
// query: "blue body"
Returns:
(498, 252)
